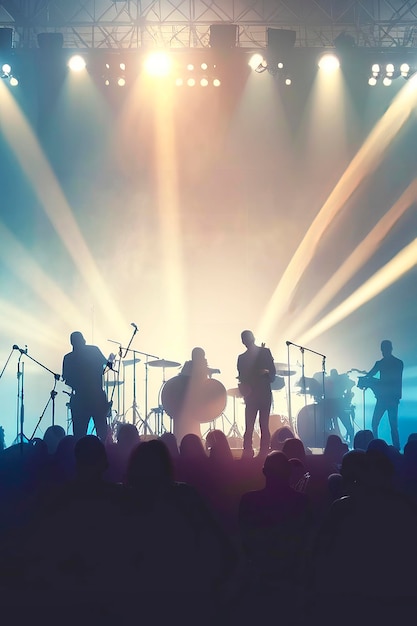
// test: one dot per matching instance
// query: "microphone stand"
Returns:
(7, 362)
(302, 350)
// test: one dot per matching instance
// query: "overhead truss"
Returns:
(186, 23)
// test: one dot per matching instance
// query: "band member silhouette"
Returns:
(256, 372)
(82, 369)
(338, 393)
(388, 391)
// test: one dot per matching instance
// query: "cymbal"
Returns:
(131, 361)
(234, 393)
(213, 370)
(114, 383)
(286, 372)
(281, 366)
(163, 363)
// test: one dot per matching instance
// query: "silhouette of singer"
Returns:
(389, 390)
(256, 371)
(82, 369)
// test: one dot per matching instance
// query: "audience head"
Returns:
(149, 465)
(90, 457)
(279, 436)
(335, 448)
(218, 446)
(354, 470)
(362, 439)
(53, 435)
(127, 436)
(276, 469)
(191, 448)
(294, 449)
(170, 440)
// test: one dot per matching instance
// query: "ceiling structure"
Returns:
(122, 24)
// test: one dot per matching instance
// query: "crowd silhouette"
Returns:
(155, 531)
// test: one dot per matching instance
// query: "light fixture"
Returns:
(329, 62)
(77, 63)
(158, 64)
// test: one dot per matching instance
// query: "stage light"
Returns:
(216, 82)
(288, 81)
(6, 69)
(387, 81)
(77, 63)
(376, 69)
(191, 82)
(14, 81)
(204, 66)
(372, 81)
(190, 67)
(405, 70)
(121, 81)
(158, 64)
(329, 62)
(389, 70)
(204, 82)
(122, 66)
(255, 60)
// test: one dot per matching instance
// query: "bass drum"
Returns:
(315, 422)
(200, 401)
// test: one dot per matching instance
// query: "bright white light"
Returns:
(387, 81)
(376, 68)
(107, 82)
(204, 82)
(390, 69)
(190, 67)
(191, 82)
(158, 64)
(121, 81)
(14, 81)
(216, 82)
(329, 62)
(372, 81)
(404, 69)
(288, 81)
(280, 65)
(6, 68)
(255, 60)
(76, 63)
(122, 66)
(204, 66)
(179, 82)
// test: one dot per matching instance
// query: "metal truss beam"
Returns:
(185, 23)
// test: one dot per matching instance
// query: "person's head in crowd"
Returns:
(294, 449)
(411, 437)
(171, 443)
(335, 449)
(354, 470)
(90, 458)
(53, 435)
(298, 472)
(362, 439)
(218, 447)
(279, 436)
(127, 437)
(192, 449)
(336, 486)
(150, 466)
(276, 469)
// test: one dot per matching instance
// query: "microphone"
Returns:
(289, 343)
(134, 326)
(15, 347)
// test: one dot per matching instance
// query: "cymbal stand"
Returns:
(7, 361)
(20, 418)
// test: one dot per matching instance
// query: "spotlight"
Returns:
(121, 81)
(204, 82)
(216, 82)
(405, 70)
(14, 81)
(387, 81)
(255, 61)
(204, 66)
(191, 82)
(122, 66)
(6, 69)
(376, 69)
(190, 67)
(288, 81)
(158, 64)
(329, 62)
(389, 70)
(372, 81)
(77, 63)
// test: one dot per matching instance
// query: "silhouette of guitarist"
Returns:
(388, 390)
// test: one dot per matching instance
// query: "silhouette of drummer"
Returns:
(388, 391)
(82, 369)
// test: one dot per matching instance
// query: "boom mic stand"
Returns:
(323, 365)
